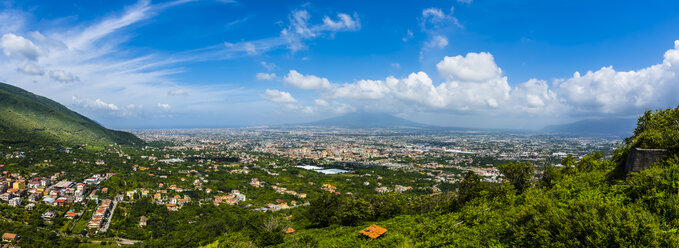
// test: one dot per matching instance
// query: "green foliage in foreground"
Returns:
(657, 129)
(26, 118)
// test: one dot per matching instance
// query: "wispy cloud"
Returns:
(74, 64)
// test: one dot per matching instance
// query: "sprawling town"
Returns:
(92, 191)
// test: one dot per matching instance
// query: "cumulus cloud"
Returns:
(535, 96)
(308, 82)
(609, 91)
(32, 69)
(472, 67)
(265, 76)
(97, 104)
(14, 45)
(474, 83)
(363, 89)
(278, 96)
(63, 76)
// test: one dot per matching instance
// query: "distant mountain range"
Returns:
(367, 120)
(621, 127)
(26, 118)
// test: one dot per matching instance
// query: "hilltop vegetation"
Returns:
(26, 118)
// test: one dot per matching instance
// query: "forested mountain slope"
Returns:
(26, 118)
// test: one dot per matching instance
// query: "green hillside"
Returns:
(26, 118)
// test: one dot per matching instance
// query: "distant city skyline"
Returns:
(228, 63)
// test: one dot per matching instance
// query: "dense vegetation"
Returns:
(26, 118)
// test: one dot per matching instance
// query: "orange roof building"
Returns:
(289, 230)
(8, 237)
(373, 231)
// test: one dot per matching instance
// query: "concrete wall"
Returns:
(639, 159)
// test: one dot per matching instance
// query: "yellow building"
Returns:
(21, 184)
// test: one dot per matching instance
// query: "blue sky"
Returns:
(220, 63)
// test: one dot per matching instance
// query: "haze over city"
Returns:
(223, 63)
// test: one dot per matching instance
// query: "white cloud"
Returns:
(278, 96)
(97, 104)
(609, 91)
(363, 89)
(472, 67)
(434, 19)
(265, 76)
(437, 25)
(438, 41)
(14, 45)
(473, 83)
(86, 38)
(308, 82)
(321, 103)
(250, 48)
(92, 56)
(164, 106)
(534, 96)
(11, 21)
(409, 35)
(32, 69)
(416, 88)
(300, 29)
(268, 66)
(177, 92)
(433, 15)
(343, 22)
(63, 76)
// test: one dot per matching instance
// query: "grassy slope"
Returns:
(32, 119)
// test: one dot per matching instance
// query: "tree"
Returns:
(323, 209)
(356, 211)
(518, 175)
(470, 187)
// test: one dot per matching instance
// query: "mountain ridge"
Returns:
(367, 120)
(621, 127)
(27, 118)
